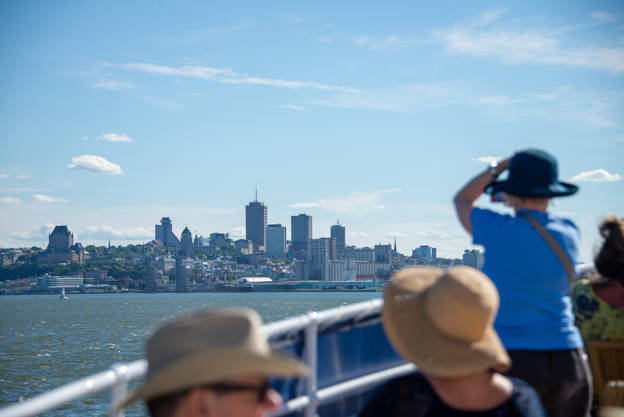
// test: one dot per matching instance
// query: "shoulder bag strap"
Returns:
(554, 245)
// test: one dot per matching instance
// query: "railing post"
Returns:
(310, 352)
(119, 389)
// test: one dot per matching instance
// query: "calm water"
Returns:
(46, 342)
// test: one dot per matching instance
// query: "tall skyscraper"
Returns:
(276, 241)
(256, 223)
(300, 234)
(337, 231)
(169, 239)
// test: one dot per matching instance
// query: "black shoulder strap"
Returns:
(554, 245)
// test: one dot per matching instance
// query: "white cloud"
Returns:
(324, 39)
(598, 175)
(529, 47)
(105, 232)
(4, 176)
(22, 177)
(114, 85)
(40, 234)
(237, 233)
(401, 99)
(560, 91)
(393, 235)
(42, 198)
(9, 200)
(351, 204)
(304, 205)
(603, 17)
(197, 35)
(114, 137)
(486, 159)
(293, 107)
(226, 75)
(486, 18)
(95, 164)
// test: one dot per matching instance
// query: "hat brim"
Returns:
(416, 338)
(558, 189)
(211, 366)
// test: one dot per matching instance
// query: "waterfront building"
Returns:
(188, 248)
(473, 258)
(342, 270)
(96, 276)
(372, 270)
(256, 223)
(300, 234)
(318, 256)
(383, 253)
(48, 282)
(276, 241)
(337, 232)
(165, 232)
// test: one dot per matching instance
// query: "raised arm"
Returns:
(465, 198)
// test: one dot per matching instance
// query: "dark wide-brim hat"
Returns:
(533, 173)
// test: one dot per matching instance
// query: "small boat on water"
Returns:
(63, 296)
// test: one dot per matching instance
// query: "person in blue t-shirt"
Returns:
(535, 320)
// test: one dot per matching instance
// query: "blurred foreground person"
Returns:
(599, 302)
(531, 258)
(212, 363)
(442, 322)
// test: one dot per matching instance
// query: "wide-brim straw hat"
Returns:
(533, 173)
(208, 347)
(442, 321)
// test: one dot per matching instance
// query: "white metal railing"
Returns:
(118, 376)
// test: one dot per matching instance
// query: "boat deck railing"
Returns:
(116, 378)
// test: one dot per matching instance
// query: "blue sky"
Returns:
(114, 114)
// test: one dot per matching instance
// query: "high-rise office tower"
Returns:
(276, 241)
(256, 223)
(337, 231)
(169, 239)
(300, 234)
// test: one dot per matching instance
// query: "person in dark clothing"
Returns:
(442, 322)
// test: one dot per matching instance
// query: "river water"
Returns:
(46, 342)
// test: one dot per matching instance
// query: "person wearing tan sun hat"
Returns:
(442, 322)
(211, 363)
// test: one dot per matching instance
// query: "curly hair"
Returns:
(609, 261)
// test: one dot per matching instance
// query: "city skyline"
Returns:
(115, 115)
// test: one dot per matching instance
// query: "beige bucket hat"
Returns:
(208, 347)
(442, 321)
